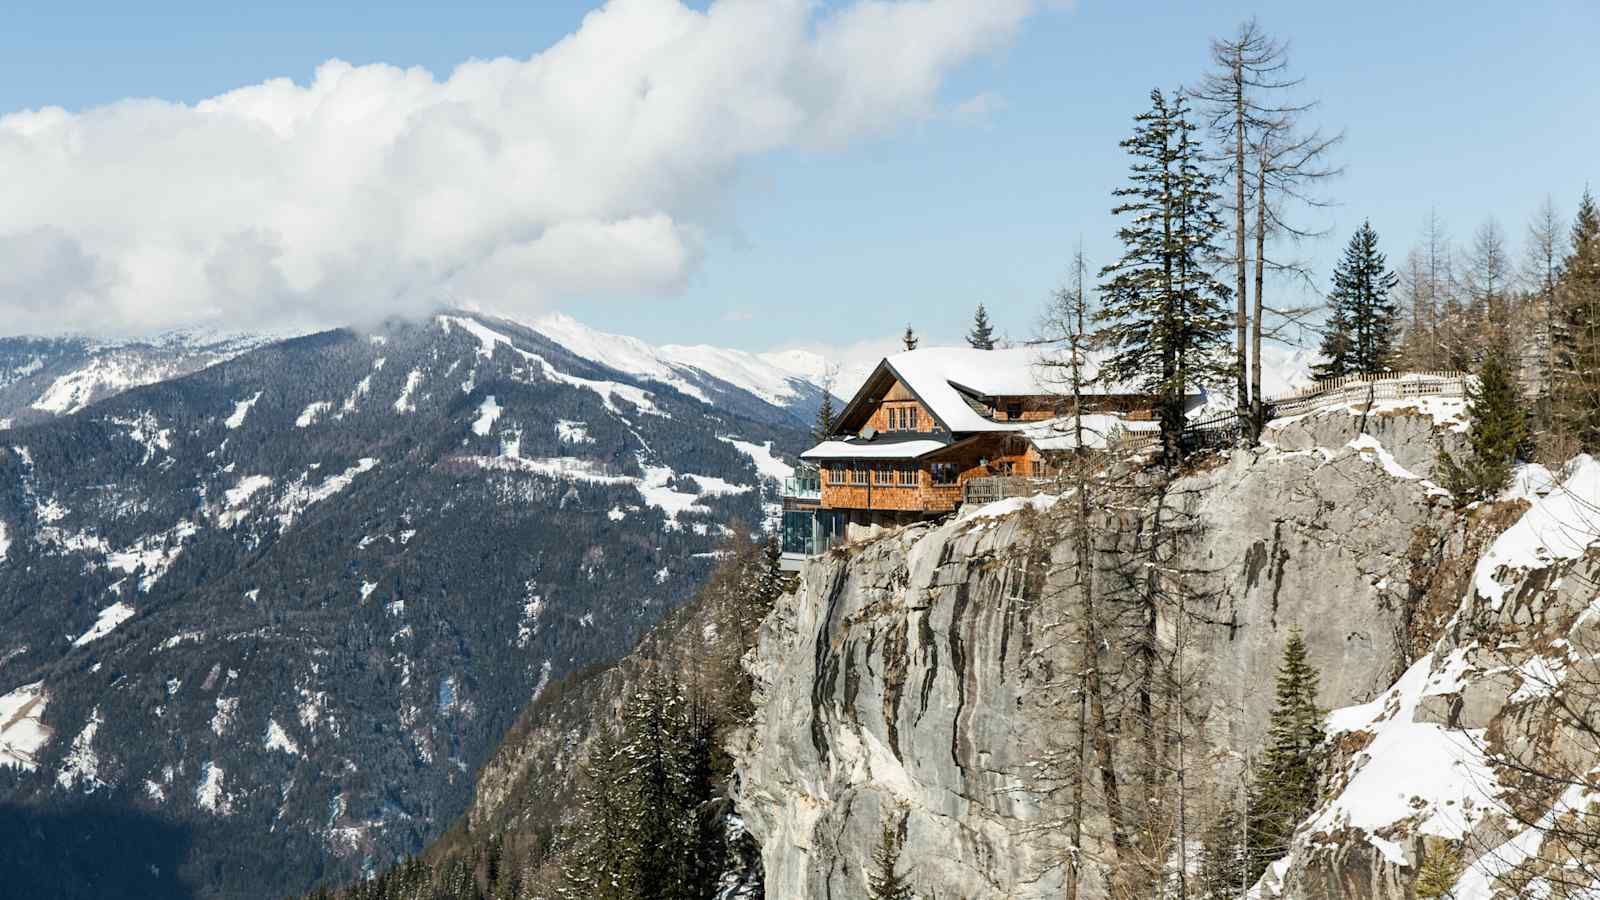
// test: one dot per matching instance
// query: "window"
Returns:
(894, 418)
(858, 473)
(908, 476)
(883, 474)
(837, 473)
(911, 418)
(944, 473)
(1013, 411)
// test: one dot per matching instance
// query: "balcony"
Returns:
(803, 487)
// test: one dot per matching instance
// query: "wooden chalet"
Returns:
(924, 426)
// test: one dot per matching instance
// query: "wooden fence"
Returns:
(1368, 389)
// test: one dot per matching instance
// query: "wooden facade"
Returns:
(931, 484)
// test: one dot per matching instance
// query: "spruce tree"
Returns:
(1286, 785)
(1498, 433)
(886, 882)
(1362, 313)
(1577, 333)
(981, 337)
(1336, 349)
(910, 339)
(1440, 872)
(823, 428)
(1164, 316)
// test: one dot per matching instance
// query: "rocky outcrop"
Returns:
(906, 680)
(1487, 743)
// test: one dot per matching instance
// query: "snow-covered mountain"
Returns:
(45, 377)
(285, 605)
(785, 379)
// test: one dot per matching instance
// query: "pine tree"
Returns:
(1497, 435)
(1577, 333)
(1164, 315)
(886, 882)
(1286, 785)
(981, 337)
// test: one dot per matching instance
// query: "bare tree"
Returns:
(1541, 270)
(1274, 166)
(1490, 280)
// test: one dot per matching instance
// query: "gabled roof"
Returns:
(942, 378)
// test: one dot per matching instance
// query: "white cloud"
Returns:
(595, 167)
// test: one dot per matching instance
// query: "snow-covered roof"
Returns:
(940, 375)
(879, 449)
(1059, 433)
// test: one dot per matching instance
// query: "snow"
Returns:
(240, 494)
(609, 391)
(1529, 481)
(404, 403)
(240, 410)
(22, 730)
(367, 587)
(278, 739)
(616, 514)
(222, 720)
(208, 794)
(5, 541)
(569, 468)
(297, 497)
(312, 413)
(1038, 502)
(573, 432)
(766, 463)
(146, 431)
(1098, 430)
(152, 555)
(488, 412)
(1367, 444)
(353, 402)
(109, 619)
(767, 376)
(657, 492)
(873, 450)
(1561, 525)
(101, 376)
(1410, 770)
(81, 765)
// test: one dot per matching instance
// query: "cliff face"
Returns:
(907, 681)
(1479, 764)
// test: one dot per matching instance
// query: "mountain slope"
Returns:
(45, 377)
(287, 604)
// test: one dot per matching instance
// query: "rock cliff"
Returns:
(908, 680)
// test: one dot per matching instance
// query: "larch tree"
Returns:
(1541, 270)
(1490, 282)
(1359, 336)
(981, 337)
(1577, 334)
(1164, 316)
(1273, 165)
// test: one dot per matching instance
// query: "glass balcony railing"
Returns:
(802, 487)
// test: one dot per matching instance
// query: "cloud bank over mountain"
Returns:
(596, 167)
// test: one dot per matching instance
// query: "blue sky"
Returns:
(1473, 109)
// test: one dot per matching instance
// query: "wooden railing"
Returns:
(1368, 389)
(990, 488)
